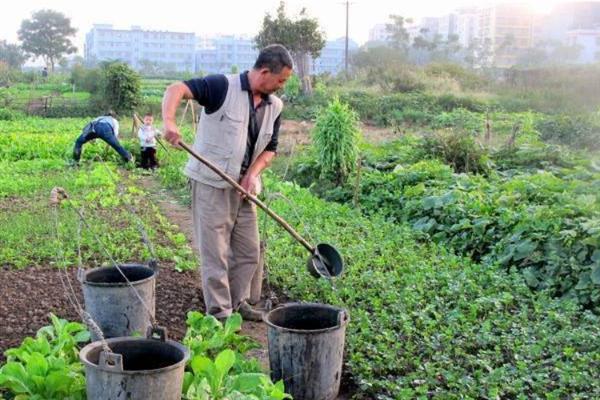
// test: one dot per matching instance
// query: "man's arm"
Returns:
(171, 99)
(116, 127)
(250, 179)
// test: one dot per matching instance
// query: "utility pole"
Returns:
(346, 49)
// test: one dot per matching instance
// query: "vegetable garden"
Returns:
(473, 269)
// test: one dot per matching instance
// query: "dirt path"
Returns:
(181, 216)
(29, 295)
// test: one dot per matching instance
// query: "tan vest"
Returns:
(221, 136)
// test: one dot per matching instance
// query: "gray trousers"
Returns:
(226, 232)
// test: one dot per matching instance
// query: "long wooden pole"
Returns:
(249, 196)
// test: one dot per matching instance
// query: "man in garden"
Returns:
(105, 128)
(238, 132)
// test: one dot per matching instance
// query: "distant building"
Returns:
(137, 47)
(430, 26)
(332, 58)
(509, 28)
(566, 17)
(219, 54)
(379, 33)
(467, 25)
(447, 25)
(588, 40)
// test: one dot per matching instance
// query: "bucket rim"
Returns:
(94, 345)
(343, 318)
(84, 280)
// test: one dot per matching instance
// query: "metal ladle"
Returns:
(325, 261)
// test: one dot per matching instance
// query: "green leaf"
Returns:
(233, 323)
(37, 365)
(531, 277)
(225, 361)
(188, 378)
(247, 382)
(524, 250)
(82, 337)
(596, 256)
(584, 281)
(58, 381)
(14, 376)
(202, 365)
(595, 275)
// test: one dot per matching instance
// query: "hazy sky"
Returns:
(227, 16)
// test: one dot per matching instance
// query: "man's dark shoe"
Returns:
(250, 313)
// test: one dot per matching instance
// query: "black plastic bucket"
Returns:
(137, 369)
(306, 348)
(114, 305)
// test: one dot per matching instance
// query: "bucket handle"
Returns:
(343, 318)
(157, 333)
(111, 361)
(153, 265)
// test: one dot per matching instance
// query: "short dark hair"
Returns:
(110, 113)
(274, 57)
(149, 114)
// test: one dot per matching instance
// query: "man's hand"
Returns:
(171, 99)
(171, 133)
(250, 183)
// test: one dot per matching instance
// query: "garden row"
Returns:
(473, 114)
(543, 222)
(47, 367)
(35, 159)
(426, 323)
(429, 324)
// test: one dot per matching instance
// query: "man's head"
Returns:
(110, 113)
(272, 69)
(148, 119)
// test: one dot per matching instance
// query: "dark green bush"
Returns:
(9, 115)
(427, 324)
(576, 131)
(457, 149)
(120, 90)
(335, 141)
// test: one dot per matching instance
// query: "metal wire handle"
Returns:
(59, 194)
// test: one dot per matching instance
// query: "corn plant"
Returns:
(335, 140)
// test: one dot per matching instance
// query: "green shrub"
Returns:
(457, 149)
(292, 87)
(89, 80)
(576, 131)
(9, 115)
(120, 90)
(449, 102)
(466, 78)
(428, 324)
(460, 118)
(47, 366)
(335, 140)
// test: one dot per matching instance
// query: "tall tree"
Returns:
(122, 88)
(398, 34)
(479, 53)
(12, 54)
(48, 35)
(301, 36)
